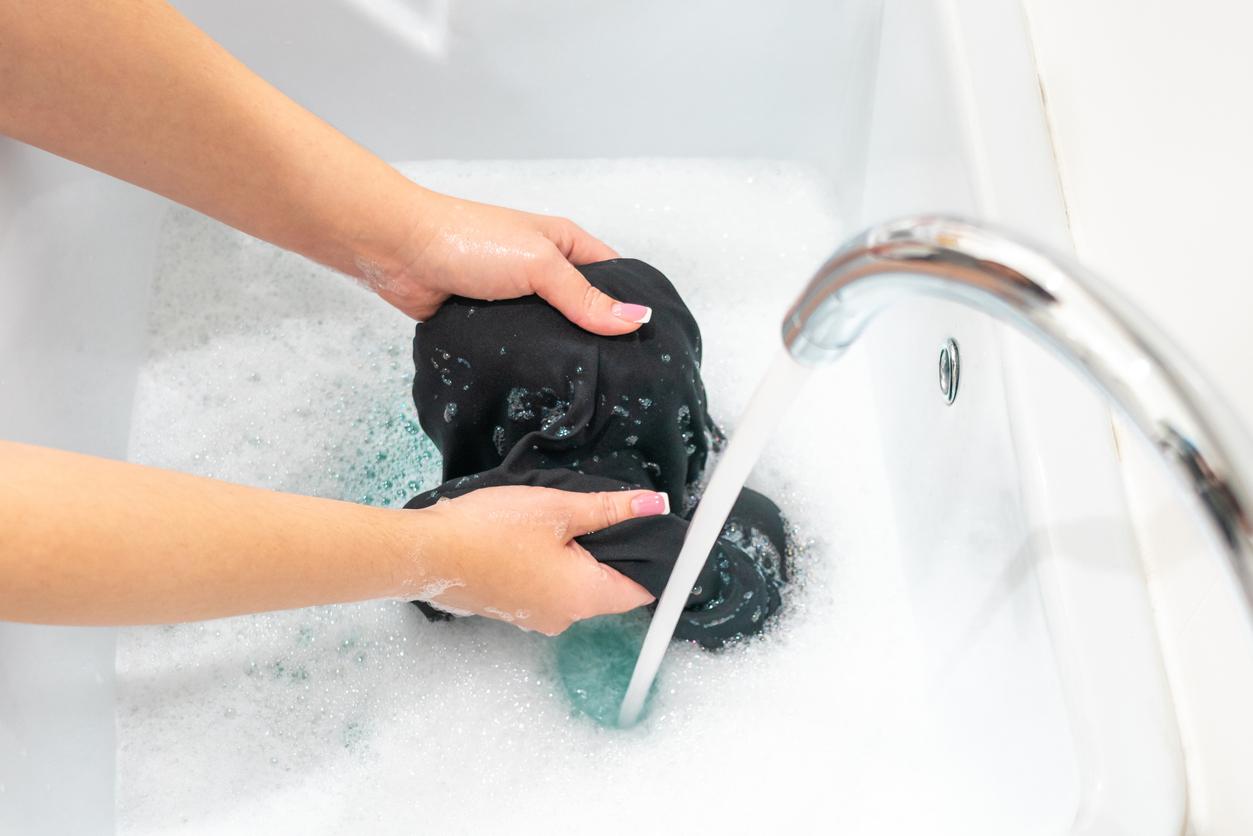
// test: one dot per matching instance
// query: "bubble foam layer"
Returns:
(269, 370)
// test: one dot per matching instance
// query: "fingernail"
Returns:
(650, 504)
(632, 313)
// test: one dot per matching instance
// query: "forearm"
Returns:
(131, 88)
(91, 541)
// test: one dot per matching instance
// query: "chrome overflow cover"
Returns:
(950, 369)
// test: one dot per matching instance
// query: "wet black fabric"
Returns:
(513, 394)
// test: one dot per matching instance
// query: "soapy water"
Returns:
(595, 659)
(266, 369)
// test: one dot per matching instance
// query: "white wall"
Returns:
(1151, 106)
(1151, 110)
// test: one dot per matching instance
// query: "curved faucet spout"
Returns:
(1072, 313)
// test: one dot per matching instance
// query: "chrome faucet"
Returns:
(1057, 302)
(1075, 315)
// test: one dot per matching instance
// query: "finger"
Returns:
(593, 511)
(607, 591)
(577, 244)
(565, 289)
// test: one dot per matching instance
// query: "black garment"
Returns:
(513, 394)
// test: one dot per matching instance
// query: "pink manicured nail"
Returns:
(650, 504)
(632, 313)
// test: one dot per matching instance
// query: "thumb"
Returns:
(565, 289)
(601, 509)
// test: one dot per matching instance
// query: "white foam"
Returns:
(269, 370)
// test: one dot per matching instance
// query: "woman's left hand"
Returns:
(510, 553)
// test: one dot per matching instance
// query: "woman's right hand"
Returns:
(509, 553)
(459, 247)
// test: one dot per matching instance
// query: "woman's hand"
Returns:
(488, 252)
(509, 553)
(153, 546)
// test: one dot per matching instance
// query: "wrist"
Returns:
(412, 567)
(384, 253)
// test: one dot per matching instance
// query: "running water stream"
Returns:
(775, 392)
